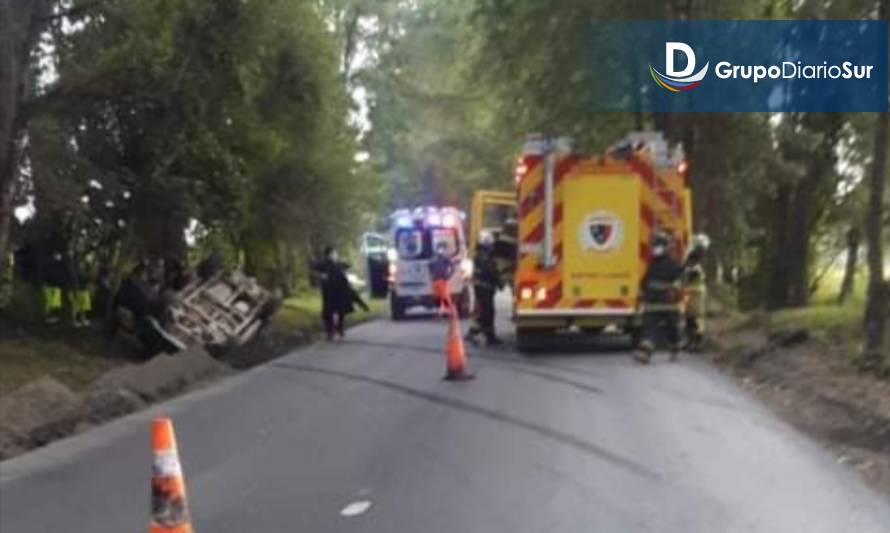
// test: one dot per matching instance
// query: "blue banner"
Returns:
(738, 65)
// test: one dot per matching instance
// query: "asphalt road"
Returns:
(577, 440)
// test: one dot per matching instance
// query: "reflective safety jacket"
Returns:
(661, 285)
(694, 283)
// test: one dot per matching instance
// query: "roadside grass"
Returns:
(30, 350)
(26, 359)
(77, 357)
(303, 312)
(825, 319)
(828, 323)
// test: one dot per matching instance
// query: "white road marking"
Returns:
(356, 508)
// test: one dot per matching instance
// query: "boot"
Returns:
(643, 355)
(675, 354)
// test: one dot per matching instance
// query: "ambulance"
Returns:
(585, 226)
(416, 235)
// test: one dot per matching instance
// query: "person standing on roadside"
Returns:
(441, 269)
(338, 298)
(486, 282)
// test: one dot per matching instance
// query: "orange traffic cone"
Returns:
(169, 507)
(456, 356)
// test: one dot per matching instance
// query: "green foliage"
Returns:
(773, 195)
(302, 313)
(241, 115)
(225, 112)
(435, 136)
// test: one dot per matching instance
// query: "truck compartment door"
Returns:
(601, 266)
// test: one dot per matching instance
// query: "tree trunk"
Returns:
(853, 240)
(878, 293)
(21, 22)
(797, 251)
(704, 143)
(878, 296)
(777, 275)
(10, 92)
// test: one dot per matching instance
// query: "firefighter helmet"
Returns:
(701, 241)
(486, 239)
(661, 241)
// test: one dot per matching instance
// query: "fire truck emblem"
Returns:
(601, 231)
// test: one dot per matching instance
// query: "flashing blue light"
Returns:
(404, 222)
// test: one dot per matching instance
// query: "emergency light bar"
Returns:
(449, 221)
(447, 217)
(683, 167)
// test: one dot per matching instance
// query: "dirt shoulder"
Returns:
(809, 379)
(55, 382)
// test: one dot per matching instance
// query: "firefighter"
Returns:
(694, 284)
(486, 282)
(661, 303)
(504, 250)
(441, 269)
(80, 298)
(55, 278)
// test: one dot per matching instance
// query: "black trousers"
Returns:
(654, 322)
(334, 321)
(484, 312)
(693, 330)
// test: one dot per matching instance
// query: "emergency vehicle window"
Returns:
(409, 243)
(374, 243)
(448, 237)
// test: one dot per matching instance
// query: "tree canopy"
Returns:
(271, 128)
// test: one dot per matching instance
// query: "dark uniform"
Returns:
(486, 282)
(338, 298)
(661, 305)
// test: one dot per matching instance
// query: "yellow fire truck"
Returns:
(584, 228)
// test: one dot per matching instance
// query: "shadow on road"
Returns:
(575, 345)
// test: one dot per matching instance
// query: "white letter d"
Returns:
(669, 52)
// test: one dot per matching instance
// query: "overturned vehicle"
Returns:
(223, 311)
